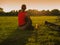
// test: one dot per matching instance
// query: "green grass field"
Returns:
(43, 36)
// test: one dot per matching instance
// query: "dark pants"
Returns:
(27, 26)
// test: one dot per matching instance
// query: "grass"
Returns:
(11, 35)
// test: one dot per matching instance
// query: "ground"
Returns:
(11, 35)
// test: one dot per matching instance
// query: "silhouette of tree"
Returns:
(55, 12)
(1, 10)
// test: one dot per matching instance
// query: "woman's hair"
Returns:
(23, 7)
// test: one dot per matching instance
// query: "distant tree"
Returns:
(55, 12)
(30, 12)
(13, 13)
(43, 12)
(48, 13)
(33, 12)
(1, 10)
(59, 12)
(2, 13)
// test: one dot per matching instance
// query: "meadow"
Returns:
(10, 34)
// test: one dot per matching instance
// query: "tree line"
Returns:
(54, 12)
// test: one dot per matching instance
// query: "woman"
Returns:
(24, 20)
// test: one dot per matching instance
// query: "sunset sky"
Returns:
(9, 5)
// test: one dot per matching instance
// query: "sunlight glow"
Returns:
(9, 5)
(7, 10)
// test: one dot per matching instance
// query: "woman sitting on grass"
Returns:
(24, 21)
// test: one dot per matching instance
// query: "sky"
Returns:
(9, 5)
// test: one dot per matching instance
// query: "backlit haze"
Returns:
(9, 5)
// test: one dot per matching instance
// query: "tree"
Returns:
(1, 9)
(33, 12)
(2, 13)
(48, 13)
(55, 12)
(43, 12)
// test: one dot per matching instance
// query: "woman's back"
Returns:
(21, 18)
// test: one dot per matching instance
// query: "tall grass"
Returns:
(45, 35)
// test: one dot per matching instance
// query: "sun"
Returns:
(7, 10)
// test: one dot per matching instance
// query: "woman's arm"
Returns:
(28, 19)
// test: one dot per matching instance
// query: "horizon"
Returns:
(9, 5)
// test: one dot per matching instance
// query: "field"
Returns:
(11, 35)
